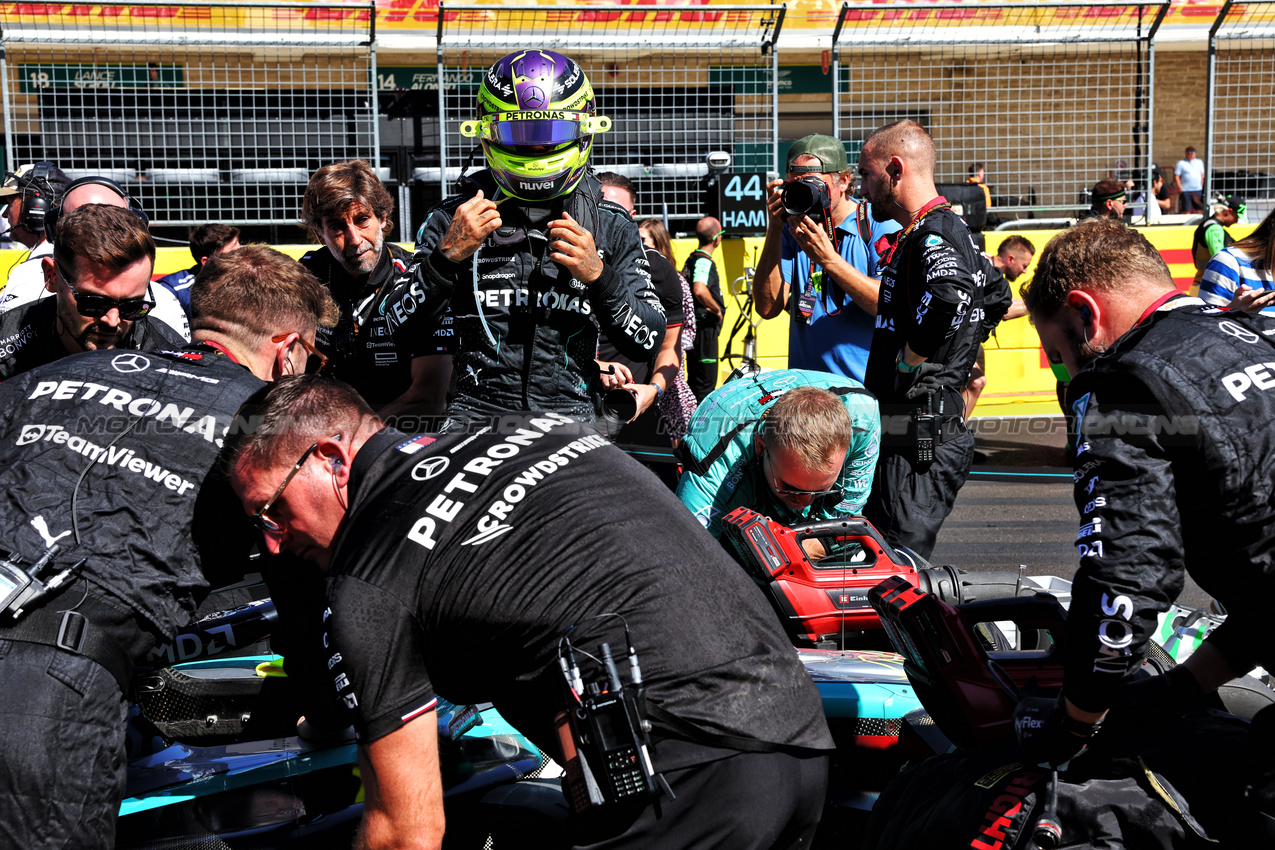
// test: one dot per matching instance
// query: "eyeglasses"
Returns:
(782, 491)
(91, 305)
(315, 362)
(259, 518)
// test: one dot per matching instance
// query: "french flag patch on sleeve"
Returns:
(415, 444)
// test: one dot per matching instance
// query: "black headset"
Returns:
(55, 210)
(36, 194)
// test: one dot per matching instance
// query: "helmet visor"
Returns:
(535, 128)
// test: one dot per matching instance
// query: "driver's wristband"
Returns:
(902, 365)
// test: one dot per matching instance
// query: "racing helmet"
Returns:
(536, 122)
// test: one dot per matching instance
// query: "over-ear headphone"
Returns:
(36, 194)
(55, 211)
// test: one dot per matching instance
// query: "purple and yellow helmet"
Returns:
(536, 121)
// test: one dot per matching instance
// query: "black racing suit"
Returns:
(153, 524)
(1175, 471)
(527, 331)
(361, 350)
(29, 337)
(934, 299)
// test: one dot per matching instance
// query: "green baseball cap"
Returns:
(829, 151)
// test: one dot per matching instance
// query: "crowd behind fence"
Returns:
(220, 112)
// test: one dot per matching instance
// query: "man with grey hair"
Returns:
(930, 321)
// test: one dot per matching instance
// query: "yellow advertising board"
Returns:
(1019, 381)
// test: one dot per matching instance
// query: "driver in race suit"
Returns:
(1174, 471)
(727, 464)
(109, 456)
(530, 260)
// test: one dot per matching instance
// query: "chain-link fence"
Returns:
(204, 111)
(1240, 149)
(678, 82)
(1048, 97)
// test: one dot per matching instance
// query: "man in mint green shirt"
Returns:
(794, 445)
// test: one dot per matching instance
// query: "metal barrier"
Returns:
(1240, 137)
(1049, 96)
(204, 111)
(677, 81)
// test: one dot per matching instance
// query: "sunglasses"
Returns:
(782, 491)
(90, 305)
(259, 518)
(315, 362)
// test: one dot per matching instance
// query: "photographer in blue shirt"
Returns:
(819, 260)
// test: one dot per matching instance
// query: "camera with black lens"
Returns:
(807, 196)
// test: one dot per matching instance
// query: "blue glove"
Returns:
(1046, 735)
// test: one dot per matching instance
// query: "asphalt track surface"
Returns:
(1016, 508)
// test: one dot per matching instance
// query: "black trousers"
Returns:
(749, 801)
(62, 743)
(907, 507)
(701, 359)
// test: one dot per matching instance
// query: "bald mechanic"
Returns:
(934, 311)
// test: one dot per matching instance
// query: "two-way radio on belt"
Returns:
(603, 732)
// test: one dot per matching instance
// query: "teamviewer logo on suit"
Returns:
(30, 434)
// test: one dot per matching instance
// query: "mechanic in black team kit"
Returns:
(932, 314)
(348, 210)
(106, 461)
(456, 565)
(529, 258)
(1175, 466)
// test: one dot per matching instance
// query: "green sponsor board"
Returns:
(391, 77)
(100, 75)
(755, 79)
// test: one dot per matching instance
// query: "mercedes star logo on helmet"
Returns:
(132, 362)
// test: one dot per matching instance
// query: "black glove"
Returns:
(1046, 735)
(1176, 690)
(923, 380)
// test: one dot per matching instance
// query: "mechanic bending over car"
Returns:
(795, 445)
(444, 554)
(106, 468)
(1175, 467)
(531, 260)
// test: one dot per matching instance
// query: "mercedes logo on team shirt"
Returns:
(130, 363)
(429, 468)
